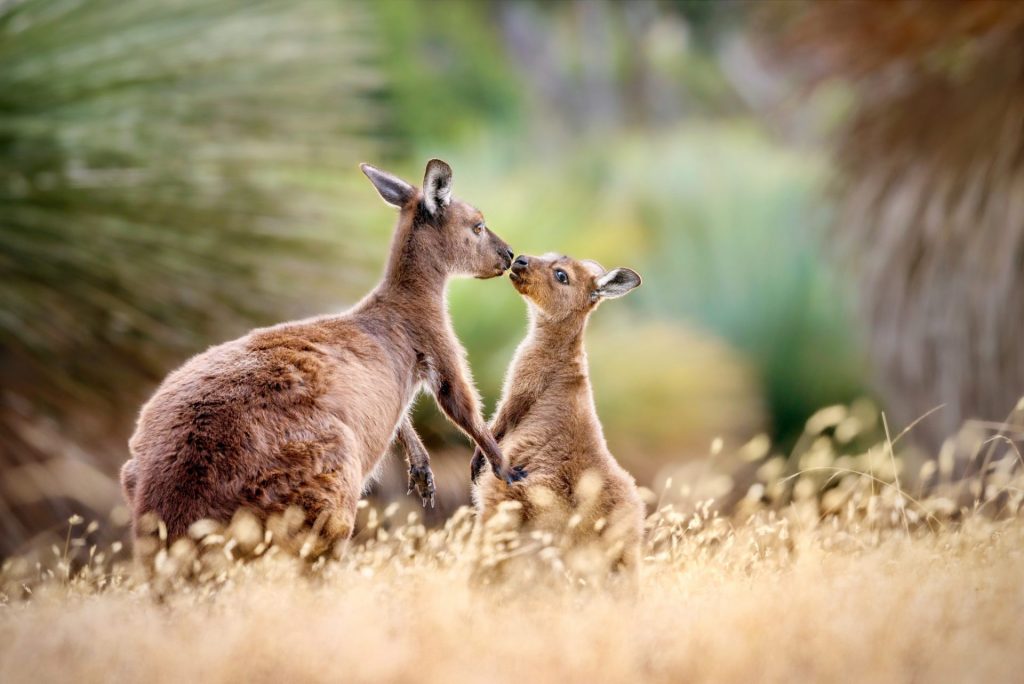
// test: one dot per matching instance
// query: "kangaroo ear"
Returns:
(392, 189)
(437, 185)
(616, 283)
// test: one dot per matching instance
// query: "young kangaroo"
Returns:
(546, 422)
(300, 414)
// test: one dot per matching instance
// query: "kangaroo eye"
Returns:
(478, 228)
(561, 276)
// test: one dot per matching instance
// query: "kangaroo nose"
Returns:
(520, 263)
(509, 253)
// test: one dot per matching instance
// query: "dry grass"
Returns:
(832, 573)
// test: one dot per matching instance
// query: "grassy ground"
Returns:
(860, 583)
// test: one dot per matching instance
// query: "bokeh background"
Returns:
(826, 201)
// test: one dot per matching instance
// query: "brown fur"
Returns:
(546, 422)
(300, 414)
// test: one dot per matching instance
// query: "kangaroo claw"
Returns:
(422, 480)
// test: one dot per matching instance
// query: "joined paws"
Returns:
(516, 474)
(422, 480)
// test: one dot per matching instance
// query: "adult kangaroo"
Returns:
(300, 414)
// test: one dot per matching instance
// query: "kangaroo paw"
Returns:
(421, 479)
(516, 474)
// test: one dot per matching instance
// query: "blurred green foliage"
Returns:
(739, 227)
(148, 159)
(444, 79)
(163, 168)
(724, 226)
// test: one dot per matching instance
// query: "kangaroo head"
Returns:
(441, 231)
(561, 287)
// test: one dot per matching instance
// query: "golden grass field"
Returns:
(830, 573)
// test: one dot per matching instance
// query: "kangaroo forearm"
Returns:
(421, 479)
(463, 416)
(510, 413)
(416, 453)
(459, 405)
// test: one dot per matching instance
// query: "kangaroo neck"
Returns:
(555, 348)
(417, 289)
(422, 306)
(413, 281)
(564, 336)
(411, 275)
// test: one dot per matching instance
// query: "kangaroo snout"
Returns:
(518, 272)
(519, 267)
(502, 251)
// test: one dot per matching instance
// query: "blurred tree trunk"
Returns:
(932, 196)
